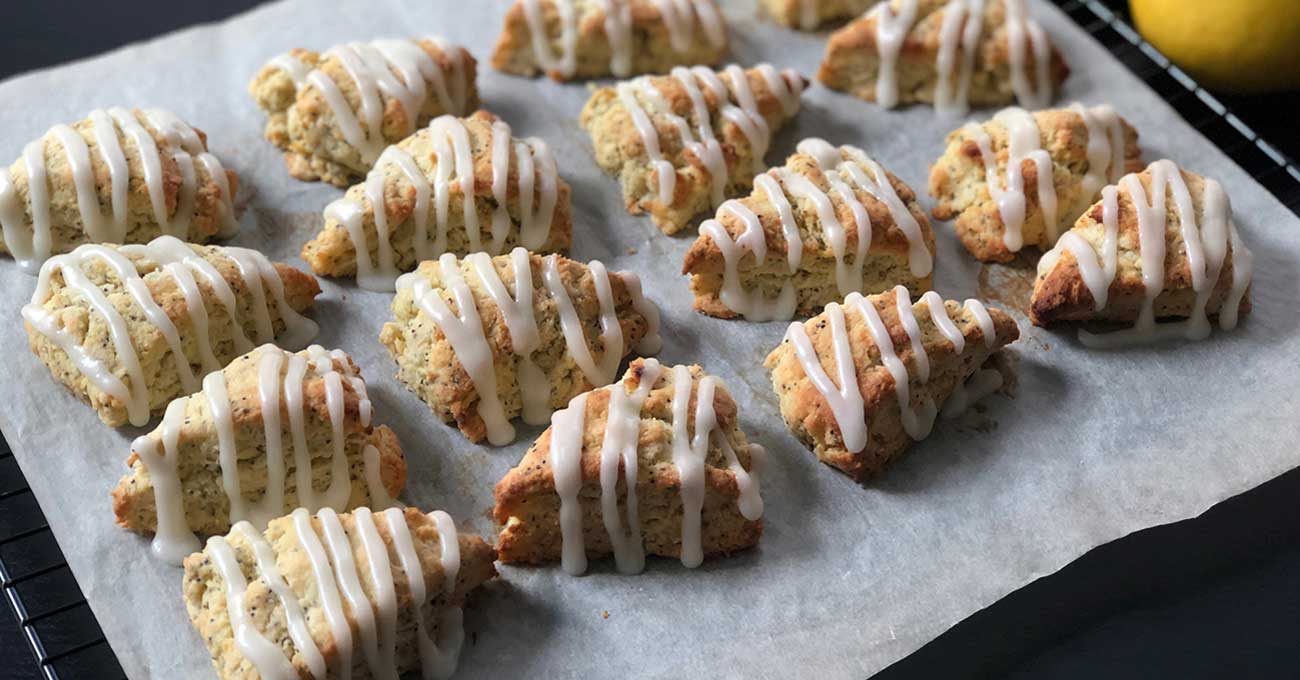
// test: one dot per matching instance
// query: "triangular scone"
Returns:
(111, 322)
(807, 15)
(483, 340)
(333, 113)
(364, 594)
(117, 176)
(1169, 224)
(829, 223)
(426, 208)
(992, 176)
(578, 39)
(681, 143)
(930, 349)
(271, 432)
(953, 54)
(695, 483)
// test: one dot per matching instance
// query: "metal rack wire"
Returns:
(64, 636)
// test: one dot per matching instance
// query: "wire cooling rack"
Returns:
(64, 636)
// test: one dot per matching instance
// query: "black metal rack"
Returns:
(65, 637)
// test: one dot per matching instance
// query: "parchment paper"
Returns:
(1093, 445)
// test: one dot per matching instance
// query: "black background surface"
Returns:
(1213, 597)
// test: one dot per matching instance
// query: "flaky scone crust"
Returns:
(207, 509)
(428, 366)
(205, 594)
(959, 183)
(620, 150)
(75, 315)
(302, 124)
(851, 63)
(66, 226)
(790, 12)
(809, 416)
(332, 253)
(652, 48)
(1060, 293)
(815, 283)
(527, 505)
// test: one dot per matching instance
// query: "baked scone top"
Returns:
(1161, 243)
(591, 38)
(807, 15)
(118, 176)
(460, 185)
(122, 286)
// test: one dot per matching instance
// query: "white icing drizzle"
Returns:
(1024, 142)
(296, 621)
(620, 446)
(963, 24)
(845, 172)
(266, 656)
(279, 380)
(31, 242)
(438, 658)
(844, 396)
(536, 176)
(891, 31)
(181, 263)
(1105, 146)
(1026, 35)
(468, 337)
(399, 70)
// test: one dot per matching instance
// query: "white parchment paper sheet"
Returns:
(848, 579)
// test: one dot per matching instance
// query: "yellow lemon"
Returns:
(1230, 45)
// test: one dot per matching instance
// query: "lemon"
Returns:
(1244, 46)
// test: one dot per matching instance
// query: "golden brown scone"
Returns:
(696, 477)
(809, 14)
(379, 593)
(333, 113)
(269, 412)
(117, 176)
(1095, 273)
(530, 208)
(832, 201)
(690, 139)
(580, 39)
(1085, 148)
(484, 339)
(129, 328)
(908, 51)
(859, 427)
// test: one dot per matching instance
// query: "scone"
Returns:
(117, 176)
(809, 14)
(655, 463)
(829, 223)
(271, 432)
(361, 595)
(460, 185)
(129, 328)
(333, 113)
(483, 339)
(578, 39)
(681, 143)
(1160, 244)
(950, 53)
(894, 364)
(1022, 178)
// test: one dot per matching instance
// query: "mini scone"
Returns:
(271, 432)
(333, 113)
(460, 185)
(655, 463)
(950, 53)
(830, 222)
(809, 14)
(681, 143)
(117, 176)
(1021, 178)
(129, 328)
(1159, 244)
(894, 365)
(578, 39)
(484, 339)
(362, 595)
